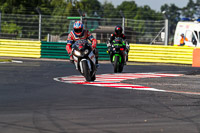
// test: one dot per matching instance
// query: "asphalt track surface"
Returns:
(31, 101)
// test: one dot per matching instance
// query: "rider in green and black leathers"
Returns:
(118, 33)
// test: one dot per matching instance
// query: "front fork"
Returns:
(89, 65)
(77, 60)
(122, 58)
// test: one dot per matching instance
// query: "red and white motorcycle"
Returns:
(84, 59)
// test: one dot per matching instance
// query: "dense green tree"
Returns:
(90, 7)
(109, 11)
(129, 8)
(197, 9)
(173, 13)
(59, 7)
(48, 7)
(23, 6)
(64, 7)
(146, 13)
(189, 10)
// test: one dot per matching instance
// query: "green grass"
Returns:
(5, 60)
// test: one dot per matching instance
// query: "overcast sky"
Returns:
(154, 4)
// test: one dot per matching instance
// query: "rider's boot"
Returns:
(71, 59)
(96, 52)
(97, 62)
(125, 58)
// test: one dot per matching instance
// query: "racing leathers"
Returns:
(112, 37)
(86, 35)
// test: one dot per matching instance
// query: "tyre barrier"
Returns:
(54, 50)
(37, 49)
(58, 50)
(137, 53)
(161, 54)
(20, 48)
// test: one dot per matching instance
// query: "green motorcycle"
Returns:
(118, 54)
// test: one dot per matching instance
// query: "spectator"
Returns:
(183, 39)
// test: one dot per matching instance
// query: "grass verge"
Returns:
(5, 60)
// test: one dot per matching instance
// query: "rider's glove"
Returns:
(69, 49)
(94, 43)
(108, 44)
(127, 45)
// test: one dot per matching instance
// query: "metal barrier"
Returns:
(103, 55)
(161, 54)
(58, 50)
(38, 27)
(54, 50)
(19, 48)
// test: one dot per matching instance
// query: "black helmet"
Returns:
(118, 30)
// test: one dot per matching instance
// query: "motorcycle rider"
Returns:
(79, 33)
(118, 33)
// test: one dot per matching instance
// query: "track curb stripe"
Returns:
(114, 80)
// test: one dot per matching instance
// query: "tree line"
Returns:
(70, 7)
(94, 7)
(105, 10)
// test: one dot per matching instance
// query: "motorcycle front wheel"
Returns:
(116, 64)
(121, 68)
(86, 71)
(93, 78)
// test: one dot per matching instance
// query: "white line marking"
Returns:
(12, 61)
(15, 61)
